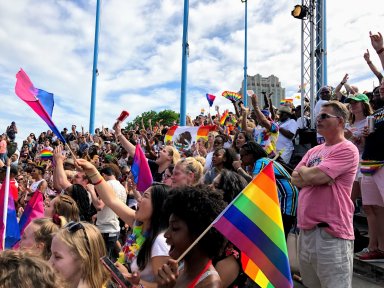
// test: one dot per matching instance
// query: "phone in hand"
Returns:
(115, 273)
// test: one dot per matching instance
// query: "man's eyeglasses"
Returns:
(72, 227)
(323, 116)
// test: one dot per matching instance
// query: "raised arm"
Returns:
(261, 119)
(372, 66)
(60, 180)
(377, 44)
(105, 192)
(123, 141)
(343, 82)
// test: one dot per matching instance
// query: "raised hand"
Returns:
(367, 56)
(376, 40)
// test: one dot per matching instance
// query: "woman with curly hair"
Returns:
(192, 210)
(76, 252)
(37, 236)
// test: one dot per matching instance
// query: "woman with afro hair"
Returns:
(192, 210)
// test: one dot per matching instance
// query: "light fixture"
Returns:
(300, 11)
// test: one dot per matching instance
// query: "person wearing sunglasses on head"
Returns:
(76, 252)
(325, 209)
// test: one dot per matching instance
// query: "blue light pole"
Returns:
(94, 71)
(184, 65)
(245, 95)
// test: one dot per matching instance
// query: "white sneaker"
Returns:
(364, 251)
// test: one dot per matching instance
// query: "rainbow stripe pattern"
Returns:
(369, 167)
(232, 96)
(39, 100)
(286, 101)
(224, 117)
(46, 154)
(253, 223)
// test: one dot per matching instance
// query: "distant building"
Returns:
(259, 84)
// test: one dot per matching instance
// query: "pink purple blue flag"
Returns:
(9, 228)
(39, 100)
(34, 209)
(210, 99)
(140, 170)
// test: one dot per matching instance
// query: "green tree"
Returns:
(166, 116)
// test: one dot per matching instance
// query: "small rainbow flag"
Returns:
(232, 96)
(253, 223)
(286, 101)
(46, 154)
(210, 99)
(224, 117)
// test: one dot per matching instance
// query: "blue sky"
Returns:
(140, 53)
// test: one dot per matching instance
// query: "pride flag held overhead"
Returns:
(253, 223)
(224, 117)
(39, 100)
(183, 137)
(141, 171)
(232, 96)
(210, 99)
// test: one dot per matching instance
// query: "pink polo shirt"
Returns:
(3, 147)
(330, 204)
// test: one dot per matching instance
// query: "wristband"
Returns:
(342, 83)
(98, 182)
(90, 176)
(369, 62)
(380, 51)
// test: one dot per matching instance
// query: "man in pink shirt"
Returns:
(325, 209)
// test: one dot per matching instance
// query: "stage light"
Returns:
(300, 11)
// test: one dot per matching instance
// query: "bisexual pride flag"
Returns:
(39, 100)
(141, 171)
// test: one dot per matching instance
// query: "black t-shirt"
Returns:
(374, 143)
(156, 176)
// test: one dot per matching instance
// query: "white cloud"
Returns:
(140, 53)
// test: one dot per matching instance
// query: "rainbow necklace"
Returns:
(134, 242)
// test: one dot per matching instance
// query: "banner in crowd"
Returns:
(183, 137)
(253, 223)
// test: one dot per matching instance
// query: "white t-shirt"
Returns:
(159, 248)
(282, 141)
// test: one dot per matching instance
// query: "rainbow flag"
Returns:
(182, 137)
(9, 228)
(253, 223)
(286, 101)
(39, 100)
(232, 96)
(210, 99)
(46, 154)
(141, 171)
(224, 117)
(34, 209)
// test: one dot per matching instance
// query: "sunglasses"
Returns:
(72, 227)
(323, 116)
(166, 176)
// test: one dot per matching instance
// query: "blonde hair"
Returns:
(44, 234)
(24, 270)
(200, 159)
(192, 165)
(89, 252)
(172, 151)
(65, 206)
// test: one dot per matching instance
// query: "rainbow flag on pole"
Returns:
(253, 223)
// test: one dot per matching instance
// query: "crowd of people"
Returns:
(93, 209)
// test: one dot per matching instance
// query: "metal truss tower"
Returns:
(313, 52)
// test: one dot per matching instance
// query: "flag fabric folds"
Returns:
(210, 99)
(140, 170)
(39, 100)
(253, 223)
(183, 137)
(224, 117)
(232, 96)
(9, 228)
(34, 209)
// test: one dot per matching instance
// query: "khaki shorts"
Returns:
(325, 261)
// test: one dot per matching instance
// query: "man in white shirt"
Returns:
(287, 129)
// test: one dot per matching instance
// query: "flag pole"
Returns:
(6, 196)
(184, 66)
(70, 150)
